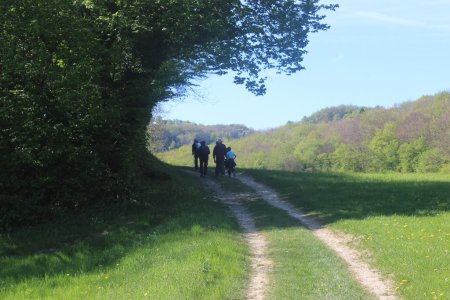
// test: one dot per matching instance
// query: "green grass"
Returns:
(179, 245)
(181, 156)
(403, 220)
(303, 267)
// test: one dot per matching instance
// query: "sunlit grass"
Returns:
(303, 267)
(414, 249)
(403, 220)
(187, 248)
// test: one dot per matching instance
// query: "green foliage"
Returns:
(80, 78)
(331, 114)
(409, 154)
(384, 146)
(350, 158)
(170, 134)
(413, 137)
(431, 160)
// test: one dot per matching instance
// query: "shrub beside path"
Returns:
(370, 278)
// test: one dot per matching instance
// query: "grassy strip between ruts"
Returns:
(184, 247)
(303, 268)
(402, 219)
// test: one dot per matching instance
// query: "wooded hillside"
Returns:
(166, 135)
(411, 137)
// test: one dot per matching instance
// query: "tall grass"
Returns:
(403, 220)
(178, 245)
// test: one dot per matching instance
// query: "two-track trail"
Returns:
(368, 277)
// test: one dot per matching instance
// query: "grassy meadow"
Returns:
(402, 221)
(182, 245)
(179, 245)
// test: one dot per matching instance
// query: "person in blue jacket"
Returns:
(230, 164)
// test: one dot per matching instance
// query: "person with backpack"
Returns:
(195, 148)
(219, 152)
(203, 154)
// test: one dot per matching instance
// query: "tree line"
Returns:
(80, 78)
(410, 137)
(166, 135)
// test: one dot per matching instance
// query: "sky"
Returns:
(376, 53)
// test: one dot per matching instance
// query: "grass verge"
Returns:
(177, 245)
(403, 220)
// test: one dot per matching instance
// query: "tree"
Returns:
(431, 161)
(384, 146)
(335, 113)
(350, 158)
(79, 79)
(409, 154)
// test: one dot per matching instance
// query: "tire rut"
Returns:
(368, 277)
(260, 263)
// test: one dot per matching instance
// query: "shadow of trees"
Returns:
(95, 240)
(334, 196)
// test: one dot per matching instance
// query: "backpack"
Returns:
(197, 148)
(203, 151)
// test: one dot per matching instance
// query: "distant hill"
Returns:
(172, 134)
(410, 137)
(336, 113)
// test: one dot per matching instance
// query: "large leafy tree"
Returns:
(79, 79)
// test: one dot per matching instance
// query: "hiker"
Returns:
(219, 157)
(195, 147)
(230, 164)
(203, 154)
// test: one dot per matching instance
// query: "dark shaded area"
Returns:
(332, 197)
(95, 239)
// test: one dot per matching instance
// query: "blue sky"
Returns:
(377, 52)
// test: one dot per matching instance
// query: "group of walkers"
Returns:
(223, 158)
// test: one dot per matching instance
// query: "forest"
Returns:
(410, 137)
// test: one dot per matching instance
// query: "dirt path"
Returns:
(367, 276)
(258, 244)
